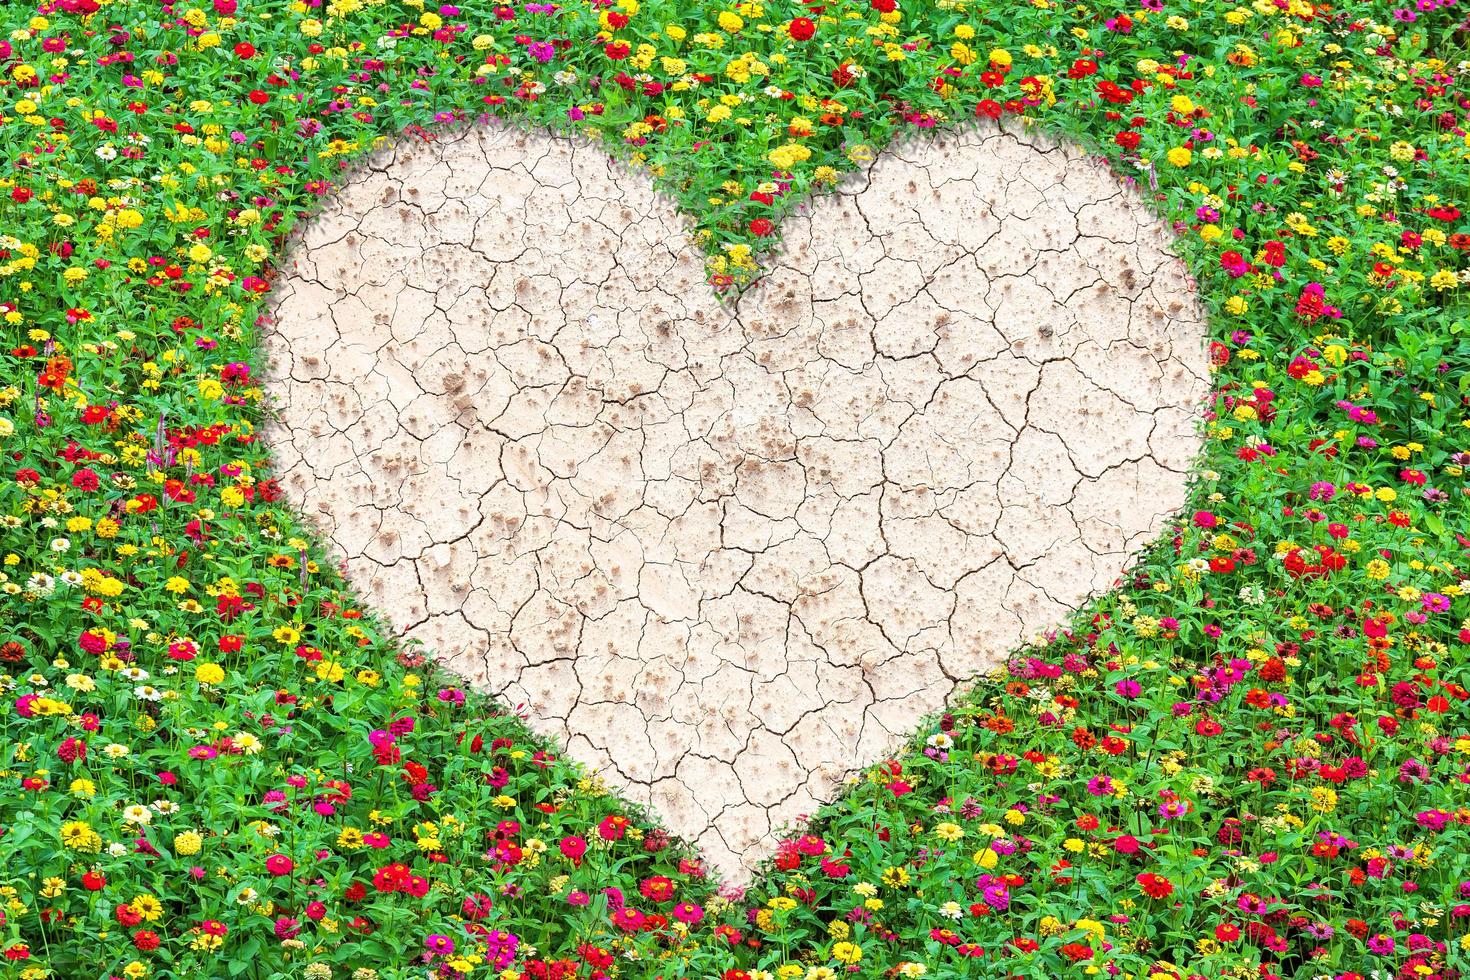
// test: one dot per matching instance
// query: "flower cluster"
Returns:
(1252, 759)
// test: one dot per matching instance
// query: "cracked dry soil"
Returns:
(730, 554)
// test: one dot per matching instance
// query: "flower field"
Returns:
(1251, 760)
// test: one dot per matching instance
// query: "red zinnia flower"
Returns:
(1155, 886)
(801, 29)
(572, 848)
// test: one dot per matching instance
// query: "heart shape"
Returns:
(728, 555)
